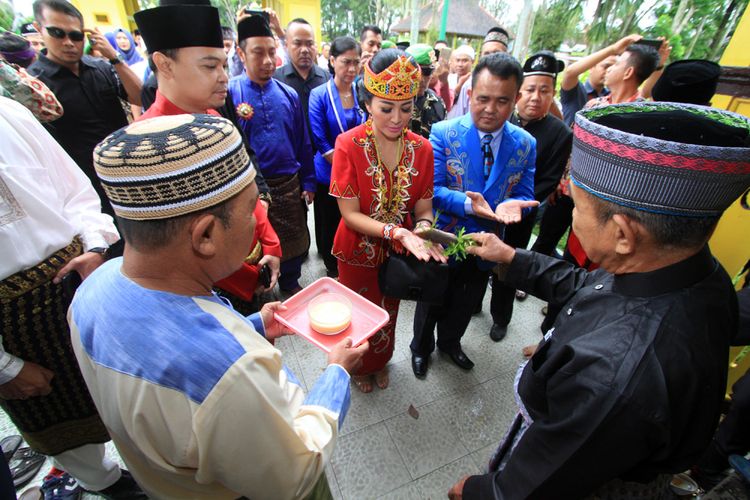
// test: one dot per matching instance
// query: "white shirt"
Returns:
(45, 201)
(461, 106)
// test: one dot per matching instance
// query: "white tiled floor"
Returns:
(382, 451)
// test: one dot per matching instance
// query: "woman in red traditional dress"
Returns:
(382, 176)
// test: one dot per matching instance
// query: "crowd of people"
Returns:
(171, 171)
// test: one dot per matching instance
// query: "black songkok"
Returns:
(180, 23)
(253, 26)
(691, 81)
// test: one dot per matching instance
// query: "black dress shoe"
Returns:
(459, 357)
(497, 332)
(419, 365)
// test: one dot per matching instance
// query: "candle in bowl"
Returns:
(330, 313)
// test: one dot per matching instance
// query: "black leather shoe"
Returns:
(459, 357)
(419, 365)
(497, 332)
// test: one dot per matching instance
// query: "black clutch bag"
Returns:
(407, 278)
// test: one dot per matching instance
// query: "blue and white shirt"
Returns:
(197, 401)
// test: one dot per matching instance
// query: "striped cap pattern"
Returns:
(657, 175)
(169, 166)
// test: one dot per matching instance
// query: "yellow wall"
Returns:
(111, 14)
(291, 9)
(107, 14)
(729, 243)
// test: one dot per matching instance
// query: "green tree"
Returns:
(698, 29)
(346, 17)
(6, 15)
(228, 11)
(498, 8)
(554, 23)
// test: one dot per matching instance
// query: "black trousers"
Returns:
(7, 490)
(733, 435)
(501, 304)
(467, 284)
(327, 217)
(555, 221)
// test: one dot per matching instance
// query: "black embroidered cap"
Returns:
(543, 62)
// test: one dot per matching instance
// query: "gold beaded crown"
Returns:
(397, 82)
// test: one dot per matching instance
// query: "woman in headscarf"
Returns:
(125, 45)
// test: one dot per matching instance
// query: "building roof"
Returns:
(465, 18)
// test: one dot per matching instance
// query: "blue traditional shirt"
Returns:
(275, 128)
(191, 391)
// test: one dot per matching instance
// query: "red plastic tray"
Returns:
(367, 318)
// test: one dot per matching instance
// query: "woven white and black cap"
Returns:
(169, 166)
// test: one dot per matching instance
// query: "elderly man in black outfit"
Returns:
(626, 388)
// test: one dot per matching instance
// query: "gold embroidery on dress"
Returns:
(389, 205)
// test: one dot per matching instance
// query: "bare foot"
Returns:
(529, 350)
(382, 379)
(363, 382)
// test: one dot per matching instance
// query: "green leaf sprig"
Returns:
(458, 248)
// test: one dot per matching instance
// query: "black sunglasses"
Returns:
(75, 36)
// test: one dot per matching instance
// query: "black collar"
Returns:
(519, 122)
(50, 67)
(288, 70)
(683, 274)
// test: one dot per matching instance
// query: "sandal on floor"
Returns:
(9, 445)
(382, 379)
(24, 465)
(363, 383)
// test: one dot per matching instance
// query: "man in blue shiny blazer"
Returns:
(484, 179)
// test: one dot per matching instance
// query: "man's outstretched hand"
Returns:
(511, 211)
